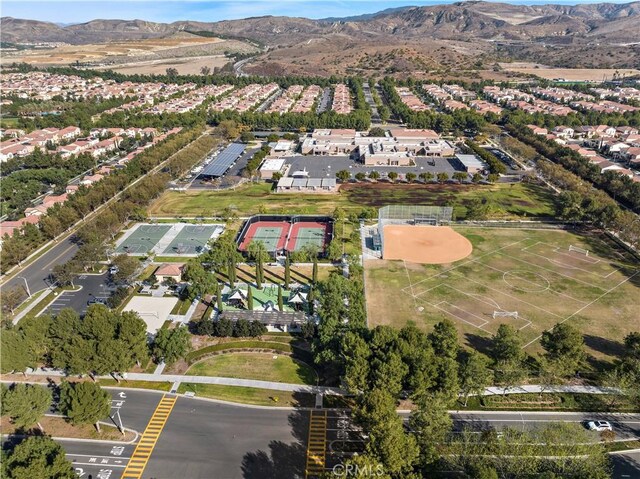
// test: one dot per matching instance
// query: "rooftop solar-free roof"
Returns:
(224, 160)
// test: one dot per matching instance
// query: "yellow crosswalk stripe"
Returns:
(150, 436)
(316, 444)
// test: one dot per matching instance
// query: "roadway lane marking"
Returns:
(57, 257)
(150, 436)
(316, 444)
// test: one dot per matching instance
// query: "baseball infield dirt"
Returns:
(424, 244)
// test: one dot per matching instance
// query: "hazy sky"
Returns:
(77, 11)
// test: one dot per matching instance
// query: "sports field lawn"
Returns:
(532, 272)
(261, 366)
(513, 199)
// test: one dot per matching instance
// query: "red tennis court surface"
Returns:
(272, 233)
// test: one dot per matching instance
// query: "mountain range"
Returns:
(608, 33)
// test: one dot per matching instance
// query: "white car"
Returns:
(599, 426)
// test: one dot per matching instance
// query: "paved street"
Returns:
(94, 286)
(203, 439)
(37, 273)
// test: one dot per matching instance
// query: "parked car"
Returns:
(96, 301)
(113, 270)
(599, 426)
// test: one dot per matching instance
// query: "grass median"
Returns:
(243, 395)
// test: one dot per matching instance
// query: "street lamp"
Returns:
(25, 284)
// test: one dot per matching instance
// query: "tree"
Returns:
(205, 327)
(205, 70)
(241, 329)
(444, 339)
(343, 175)
(65, 273)
(256, 329)
(224, 328)
(229, 129)
(10, 298)
(218, 292)
(334, 250)
(249, 297)
(308, 330)
(493, 177)
(374, 175)
(37, 457)
(474, 374)
(25, 404)
(393, 176)
(360, 176)
(171, 344)
(460, 176)
(314, 271)
(247, 137)
(127, 266)
(84, 402)
(287, 272)
(411, 177)
(442, 177)
(426, 177)
(377, 132)
(280, 301)
(508, 356)
(432, 424)
(476, 178)
(201, 282)
(564, 344)
(171, 72)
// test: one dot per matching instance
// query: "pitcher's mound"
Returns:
(424, 244)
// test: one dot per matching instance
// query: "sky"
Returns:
(78, 11)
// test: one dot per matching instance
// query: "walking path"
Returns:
(257, 384)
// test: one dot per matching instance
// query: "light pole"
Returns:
(25, 284)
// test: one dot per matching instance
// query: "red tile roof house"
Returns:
(91, 179)
(69, 132)
(71, 189)
(169, 271)
(9, 227)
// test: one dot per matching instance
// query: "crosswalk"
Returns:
(317, 444)
(148, 440)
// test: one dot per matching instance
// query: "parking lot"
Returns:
(93, 286)
(328, 166)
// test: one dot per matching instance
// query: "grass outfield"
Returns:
(261, 366)
(259, 397)
(514, 199)
(528, 271)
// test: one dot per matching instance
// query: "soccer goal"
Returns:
(505, 314)
(579, 250)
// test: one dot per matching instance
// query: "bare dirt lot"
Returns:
(92, 52)
(425, 244)
(570, 74)
(185, 66)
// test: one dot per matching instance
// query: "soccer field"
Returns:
(545, 276)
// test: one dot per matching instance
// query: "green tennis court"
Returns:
(143, 238)
(269, 235)
(308, 236)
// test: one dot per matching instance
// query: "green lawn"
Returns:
(511, 200)
(261, 366)
(259, 397)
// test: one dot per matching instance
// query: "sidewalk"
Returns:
(533, 388)
(172, 378)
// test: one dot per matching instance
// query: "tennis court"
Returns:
(303, 234)
(192, 239)
(142, 238)
(271, 233)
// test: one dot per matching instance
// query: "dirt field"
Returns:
(533, 272)
(185, 66)
(570, 74)
(93, 52)
(424, 244)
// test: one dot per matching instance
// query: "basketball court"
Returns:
(192, 239)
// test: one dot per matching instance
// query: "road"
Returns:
(37, 272)
(204, 439)
(375, 116)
